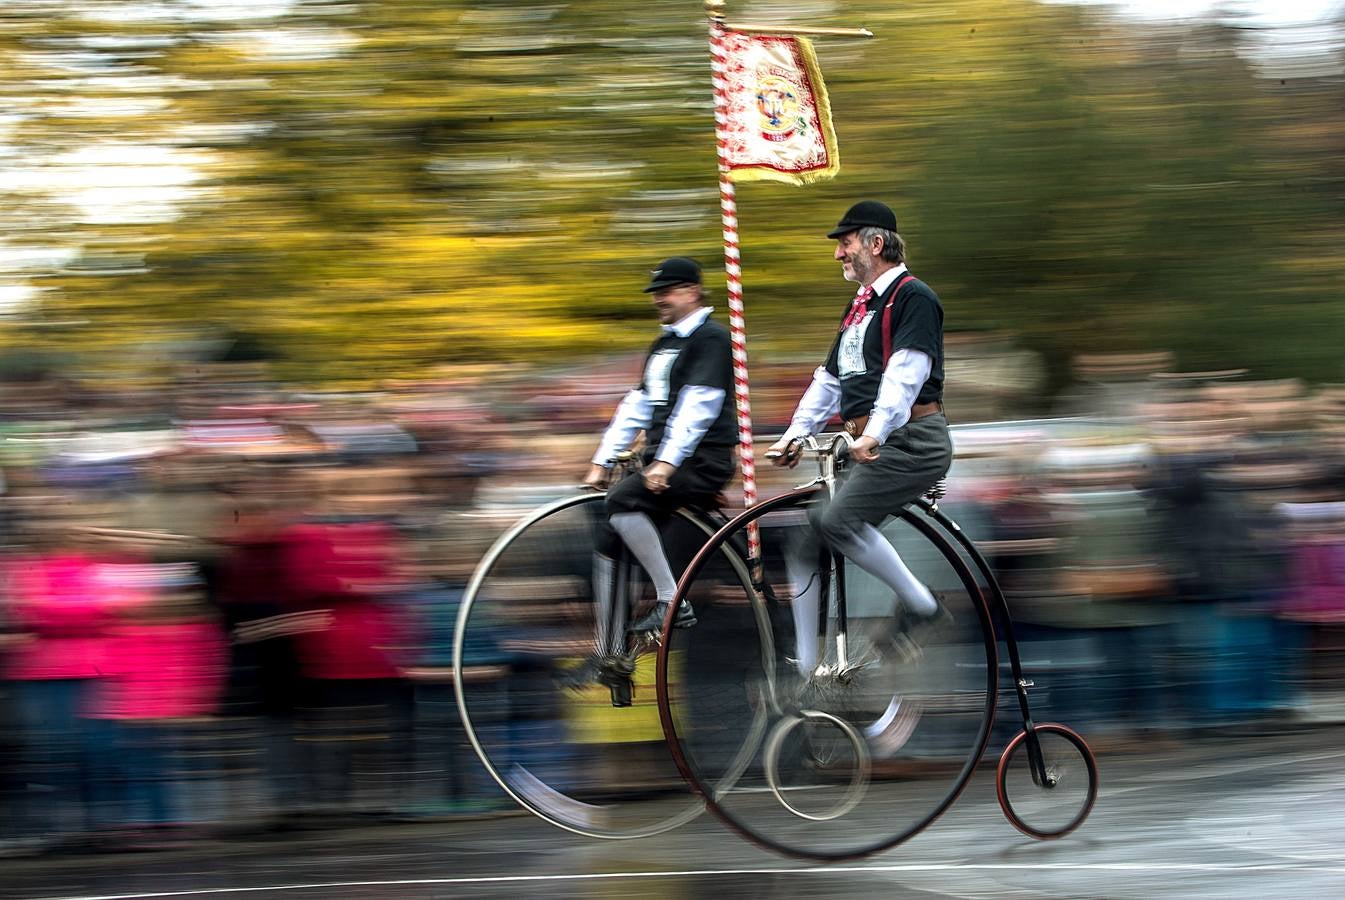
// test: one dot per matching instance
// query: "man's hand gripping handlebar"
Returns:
(785, 454)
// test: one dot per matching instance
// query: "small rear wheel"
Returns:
(1054, 800)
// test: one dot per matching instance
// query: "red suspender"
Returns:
(887, 317)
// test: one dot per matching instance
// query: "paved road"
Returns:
(1250, 816)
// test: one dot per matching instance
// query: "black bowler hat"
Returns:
(863, 214)
(677, 270)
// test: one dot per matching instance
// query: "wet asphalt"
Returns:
(1252, 813)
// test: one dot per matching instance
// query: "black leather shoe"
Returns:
(923, 628)
(653, 620)
(918, 629)
(616, 669)
(605, 670)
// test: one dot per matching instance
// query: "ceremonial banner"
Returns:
(772, 121)
(777, 121)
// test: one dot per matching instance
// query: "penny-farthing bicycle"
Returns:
(860, 743)
(557, 701)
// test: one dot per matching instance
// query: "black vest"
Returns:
(916, 324)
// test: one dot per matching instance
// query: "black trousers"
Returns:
(695, 483)
(910, 462)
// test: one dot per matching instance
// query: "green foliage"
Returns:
(471, 182)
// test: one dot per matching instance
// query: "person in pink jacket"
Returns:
(165, 663)
(1317, 569)
(58, 609)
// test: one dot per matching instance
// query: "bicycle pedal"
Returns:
(622, 693)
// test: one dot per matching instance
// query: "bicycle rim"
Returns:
(1052, 807)
(552, 741)
(916, 760)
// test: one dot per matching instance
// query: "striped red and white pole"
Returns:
(728, 208)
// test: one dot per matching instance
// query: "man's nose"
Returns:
(840, 252)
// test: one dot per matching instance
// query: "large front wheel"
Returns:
(864, 743)
(541, 719)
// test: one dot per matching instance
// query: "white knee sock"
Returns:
(638, 532)
(875, 554)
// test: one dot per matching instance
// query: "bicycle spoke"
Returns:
(864, 747)
(1052, 801)
(536, 696)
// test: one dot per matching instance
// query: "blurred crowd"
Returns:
(229, 604)
(1174, 553)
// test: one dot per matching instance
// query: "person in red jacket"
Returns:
(262, 613)
(348, 570)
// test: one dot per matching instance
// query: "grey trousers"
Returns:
(910, 461)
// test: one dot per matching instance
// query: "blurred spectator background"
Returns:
(305, 302)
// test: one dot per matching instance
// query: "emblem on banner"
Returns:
(775, 118)
(778, 103)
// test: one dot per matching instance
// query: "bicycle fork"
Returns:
(831, 570)
(997, 602)
(1036, 761)
(612, 589)
(842, 636)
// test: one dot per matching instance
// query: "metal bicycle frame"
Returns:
(925, 525)
(999, 604)
(999, 608)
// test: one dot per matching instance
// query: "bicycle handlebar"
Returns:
(826, 448)
(839, 444)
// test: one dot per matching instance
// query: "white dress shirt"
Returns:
(905, 373)
(696, 409)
